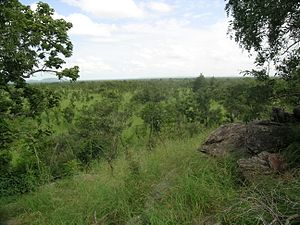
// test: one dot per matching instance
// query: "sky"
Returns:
(131, 39)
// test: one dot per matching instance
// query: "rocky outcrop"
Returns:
(266, 136)
(247, 139)
(264, 163)
(225, 139)
(281, 116)
(256, 144)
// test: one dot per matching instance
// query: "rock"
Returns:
(277, 114)
(264, 163)
(296, 113)
(280, 116)
(225, 139)
(266, 136)
(255, 144)
(245, 139)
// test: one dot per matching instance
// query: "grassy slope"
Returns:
(173, 184)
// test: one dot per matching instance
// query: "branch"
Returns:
(37, 71)
(95, 218)
(292, 45)
(291, 218)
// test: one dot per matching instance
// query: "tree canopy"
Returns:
(32, 41)
(272, 30)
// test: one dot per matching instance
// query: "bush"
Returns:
(15, 182)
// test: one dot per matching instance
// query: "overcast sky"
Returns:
(119, 39)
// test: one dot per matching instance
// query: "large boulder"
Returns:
(264, 163)
(247, 139)
(225, 139)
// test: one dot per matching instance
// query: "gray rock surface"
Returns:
(225, 139)
(296, 113)
(251, 138)
(264, 163)
(256, 145)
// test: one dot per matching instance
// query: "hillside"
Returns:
(172, 184)
(126, 152)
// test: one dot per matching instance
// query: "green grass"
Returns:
(172, 184)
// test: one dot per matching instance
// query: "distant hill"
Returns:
(47, 80)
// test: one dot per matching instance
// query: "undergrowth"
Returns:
(172, 184)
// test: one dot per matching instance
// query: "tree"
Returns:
(32, 42)
(154, 117)
(246, 100)
(200, 83)
(99, 131)
(272, 30)
(203, 97)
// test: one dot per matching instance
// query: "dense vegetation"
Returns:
(124, 152)
(97, 120)
(134, 143)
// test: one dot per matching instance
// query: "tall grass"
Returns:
(172, 184)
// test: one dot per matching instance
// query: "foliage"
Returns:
(119, 199)
(186, 104)
(292, 152)
(150, 93)
(52, 131)
(247, 101)
(31, 42)
(69, 113)
(272, 30)
(69, 127)
(173, 184)
(154, 117)
(99, 130)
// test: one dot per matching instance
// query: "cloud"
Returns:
(108, 8)
(202, 15)
(159, 40)
(159, 7)
(83, 25)
(171, 24)
(149, 49)
(89, 64)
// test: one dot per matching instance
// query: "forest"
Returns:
(125, 151)
(130, 135)
(88, 121)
